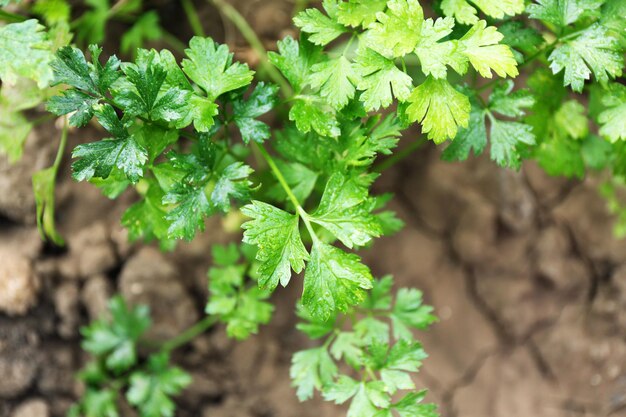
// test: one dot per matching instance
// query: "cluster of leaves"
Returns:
(388, 34)
(149, 384)
(375, 343)
(181, 134)
(235, 296)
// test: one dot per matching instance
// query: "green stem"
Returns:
(399, 156)
(117, 7)
(62, 145)
(11, 17)
(283, 182)
(192, 17)
(190, 334)
(251, 37)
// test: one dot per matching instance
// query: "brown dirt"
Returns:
(523, 271)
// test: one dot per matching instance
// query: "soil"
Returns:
(523, 270)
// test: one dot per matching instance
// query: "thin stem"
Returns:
(192, 17)
(117, 7)
(251, 37)
(283, 182)
(11, 17)
(62, 145)
(279, 176)
(189, 334)
(399, 156)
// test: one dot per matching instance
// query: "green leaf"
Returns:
(334, 280)
(411, 406)
(471, 138)
(243, 309)
(480, 46)
(211, 67)
(341, 390)
(97, 159)
(464, 13)
(261, 101)
(100, 403)
(409, 312)
(505, 139)
(296, 60)
(562, 12)
(25, 52)
(71, 68)
(613, 118)
(146, 219)
(276, 234)
(345, 212)
(233, 183)
(115, 340)
(76, 102)
(434, 55)
(520, 37)
(349, 347)
(311, 369)
(308, 114)
(439, 108)
(593, 51)
(359, 12)
(43, 188)
(508, 103)
(336, 80)
(322, 29)
(380, 80)
(151, 391)
(396, 33)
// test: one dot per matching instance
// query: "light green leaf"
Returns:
(439, 108)
(397, 31)
(211, 67)
(380, 80)
(593, 51)
(480, 46)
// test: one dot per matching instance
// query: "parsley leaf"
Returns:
(380, 80)
(480, 46)
(322, 29)
(150, 390)
(593, 51)
(116, 340)
(333, 281)
(464, 13)
(439, 108)
(276, 234)
(311, 369)
(262, 100)
(345, 212)
(359, 12)
(435, 55)
(395, 34)
(613, 118)
(25, 52)
(562, 12)
(336, 80)
(296, 60)
(211, 67)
